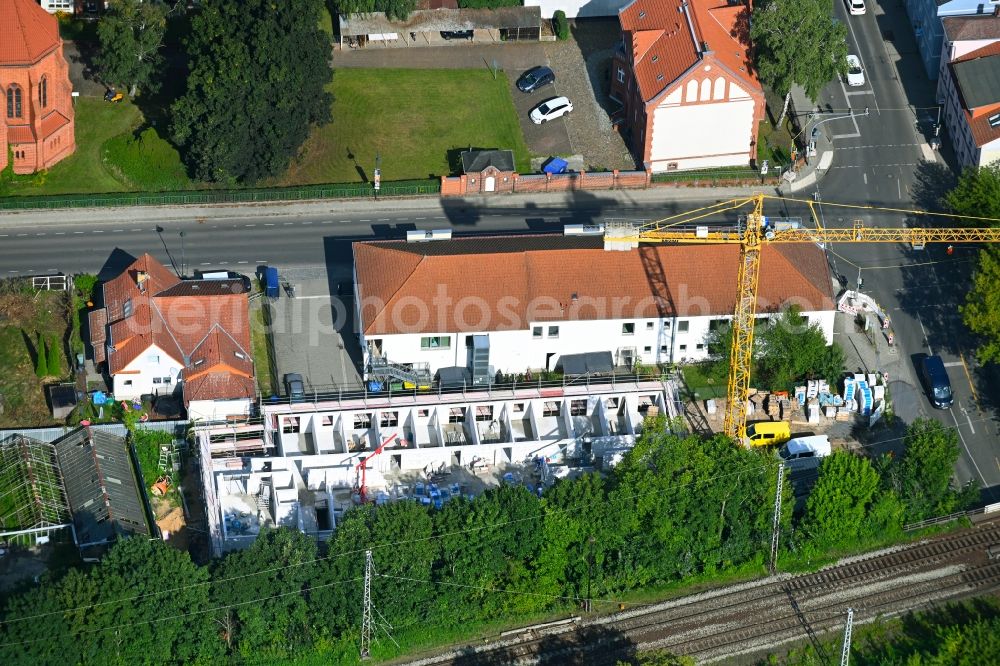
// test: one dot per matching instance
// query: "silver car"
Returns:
(855, 73)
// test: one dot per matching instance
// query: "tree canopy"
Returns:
(981, 310)
(131, 34)
(787, 349)
(393, 9)
(256, 86)
(977, 194)
(923, 475)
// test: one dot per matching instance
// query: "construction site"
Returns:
(309, 463)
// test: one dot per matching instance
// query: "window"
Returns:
(456, 415)
(649, 326)
(699, 346)
(43, 92)
(682, 347)
(128, 382)
(518, 407)
(198, 362)
(157, 380)
(553, 331)
(484, 413)
(578, 407)
(155, 359)
(536, 332)
(240, 355)
(290, 425)
(14, 101)
(682, 326)
(663, 349)
(423, 412)
(436, 342)
(167, 380)
(127, 308)
(647, 350)
(362, 421)
(716, 324)
(628, 329)
(468, 342)
(621, 75)
(550, 409)
(389, 419)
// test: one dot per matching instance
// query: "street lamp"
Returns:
(378, 174)
(183, 271)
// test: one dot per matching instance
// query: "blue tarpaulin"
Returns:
(555, 165)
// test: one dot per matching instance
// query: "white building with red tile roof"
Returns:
(531, 300)
(158, 334)
(690, 97)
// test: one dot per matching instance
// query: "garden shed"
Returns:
(434, 27)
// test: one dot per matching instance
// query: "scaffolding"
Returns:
(32, 496)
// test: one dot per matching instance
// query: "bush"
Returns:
(52, 358)
(41, 360)
(560, 25)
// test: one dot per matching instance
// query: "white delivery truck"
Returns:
(802, 453)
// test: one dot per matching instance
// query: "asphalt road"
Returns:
(883, 159)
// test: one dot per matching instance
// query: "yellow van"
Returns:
(768, 433)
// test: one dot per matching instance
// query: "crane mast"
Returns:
(751, 237)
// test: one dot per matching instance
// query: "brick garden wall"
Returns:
(452, 186)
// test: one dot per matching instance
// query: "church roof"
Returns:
(27, 32)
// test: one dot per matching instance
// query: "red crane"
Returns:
(363, 465)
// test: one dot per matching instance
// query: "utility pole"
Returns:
(845, 653)
(183, 269)
(777, 519)
(366, 613)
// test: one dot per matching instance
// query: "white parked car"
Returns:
(855, 73)
(550, 109)
(856, 7)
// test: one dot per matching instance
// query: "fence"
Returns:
(51, 434)
(989, 508)
(352, 191)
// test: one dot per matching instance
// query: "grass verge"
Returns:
(418, 121)
(261, 346)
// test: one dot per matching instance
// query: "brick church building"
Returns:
(36, 102)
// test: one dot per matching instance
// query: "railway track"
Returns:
(762, 614)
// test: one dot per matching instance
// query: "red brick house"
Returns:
(689, 95)
(36, 102)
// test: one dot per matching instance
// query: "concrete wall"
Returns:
(218, 410)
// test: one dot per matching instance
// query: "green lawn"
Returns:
(418, 120)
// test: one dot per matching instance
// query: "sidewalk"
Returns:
(817, 165)
(367, 207)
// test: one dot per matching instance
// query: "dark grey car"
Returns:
(295, 388)
(535, 78)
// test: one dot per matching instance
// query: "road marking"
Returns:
(860, 92)
(899, 188)
(440, 217)
(119, 231)
(60, 233)
(134, 230)
(249, 225)
(969, 419)
(287, 224)
(953, 364)
(364, 220)
(966, 447)
(97, 231)
(418, 218)
(968, 376)
(310, 222)
(383, 219)
(330, 221)
(77, 232)
(924, 331)
(19, 235)
(865, 177)
(41, 234)
(852, 135)
(269, 224)
(205, 263)
(243, 262)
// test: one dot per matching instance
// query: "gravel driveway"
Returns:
(581, 65)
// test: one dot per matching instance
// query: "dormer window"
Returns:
(127, 308)
(659, 77)
(198, 362)
(656, 58)
(240, 355)
(995, 118)
(642, 15)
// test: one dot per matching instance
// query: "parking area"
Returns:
(310, 330)
(548, 139)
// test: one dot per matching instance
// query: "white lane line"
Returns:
(77, 232)
(60, 233)
(97, 231)
(852, 135)
(287, 224)
(383, 219)
(966, 447)
(924, 331)
(119, 231)
(440, 217)
(310, 222)
(899, 188)
(249, 225)
(865, 177)
(329, 221)
(243, 262)
(5, 235)
(205, 263)
(953, 364)
(364, 220)
(969, 419)
(19, 235)
(134, 230)
(41, 234)
(419, 218)
(269, 224)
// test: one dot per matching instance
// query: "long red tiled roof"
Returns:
(143, 311)
(27, 32)
(496, 284)
(218, 369)
(979, 123)
(664, 45)
(53, 123)
(18, 134)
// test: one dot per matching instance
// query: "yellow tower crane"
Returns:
(751, 237)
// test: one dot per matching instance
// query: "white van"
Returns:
(805, 452)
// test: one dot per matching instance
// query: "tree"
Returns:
(393, 9)
(131, 34)
(41, 358)
(981, 311)
(53, 358)
(923, 477)
(977, 193)
(258, 72)
(838, 504)
(797, 42)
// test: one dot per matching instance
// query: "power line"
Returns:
(548, 511)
